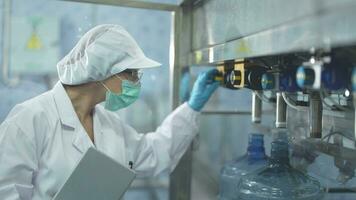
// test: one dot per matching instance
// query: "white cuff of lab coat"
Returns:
(192, 115)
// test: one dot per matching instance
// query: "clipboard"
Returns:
(96, 176)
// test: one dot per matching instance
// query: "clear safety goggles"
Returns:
(133, 76)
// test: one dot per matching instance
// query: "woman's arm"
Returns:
(159, 151)
(18, 162)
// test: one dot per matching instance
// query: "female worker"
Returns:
(43, 138)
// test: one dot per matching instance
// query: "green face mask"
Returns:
(129, 94)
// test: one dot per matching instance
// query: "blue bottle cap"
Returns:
(305, 77)
(267, 81)
(256, 149)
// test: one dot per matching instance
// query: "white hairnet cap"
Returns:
(102, 52)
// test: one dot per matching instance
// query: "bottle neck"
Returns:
(279, 161)
(279, 153)
(256, 156)
(256, 150)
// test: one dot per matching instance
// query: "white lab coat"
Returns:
(42, 140)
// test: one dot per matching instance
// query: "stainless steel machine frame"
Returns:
(216, 31)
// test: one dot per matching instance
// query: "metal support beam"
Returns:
(281, 112)
(132, 4)
(6, 39)
(174, 71)
(354, 100)
(180, 178)
(315, 115)
(6, 45)
(256, 108)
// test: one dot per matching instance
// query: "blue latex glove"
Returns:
(203, 88)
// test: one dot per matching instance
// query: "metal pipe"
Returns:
(315, 115)
(174, 62)
(6, 40)
(256, 108)
(281, 112)
(132, 4)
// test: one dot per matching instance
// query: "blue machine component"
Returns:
(335, 75)
(332, 76)
(288, 82)
(284, 81)
(232, 171)
(268, 81)
(305, 77)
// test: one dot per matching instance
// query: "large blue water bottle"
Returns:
(278, 180)
(232, 171)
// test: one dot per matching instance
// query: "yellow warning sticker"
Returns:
(242, 47)
(34, 43)
(198, 56)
